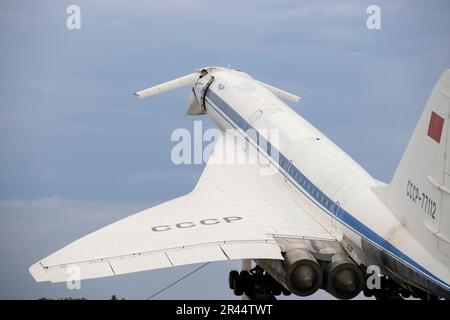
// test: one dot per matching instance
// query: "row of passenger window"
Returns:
(284, 163)
(307, 185)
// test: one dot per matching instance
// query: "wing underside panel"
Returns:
(235, 212)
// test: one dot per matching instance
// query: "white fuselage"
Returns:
(338, 191)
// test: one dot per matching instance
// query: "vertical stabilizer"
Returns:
(419, 193)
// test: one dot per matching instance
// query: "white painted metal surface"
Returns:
(332, 198)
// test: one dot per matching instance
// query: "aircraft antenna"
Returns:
(174, 283)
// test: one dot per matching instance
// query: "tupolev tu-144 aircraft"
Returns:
(299, 212)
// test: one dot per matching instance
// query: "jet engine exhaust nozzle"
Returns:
(303, 272)
(343, 278)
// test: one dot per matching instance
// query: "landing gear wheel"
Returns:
(238, 287)
(233, 274)
(286, 292)
(276, 291)
(256, 284)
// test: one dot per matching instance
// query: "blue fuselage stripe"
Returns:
(307, 187)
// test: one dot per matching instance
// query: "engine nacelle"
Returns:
(194, 107)
(300, 272)
(343, 278)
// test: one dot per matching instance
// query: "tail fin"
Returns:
(419, 193)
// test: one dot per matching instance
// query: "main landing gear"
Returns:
(391, 290)
(256, 284)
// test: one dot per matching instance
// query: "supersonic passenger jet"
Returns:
(318, 221)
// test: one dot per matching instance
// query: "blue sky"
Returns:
(78, 151)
